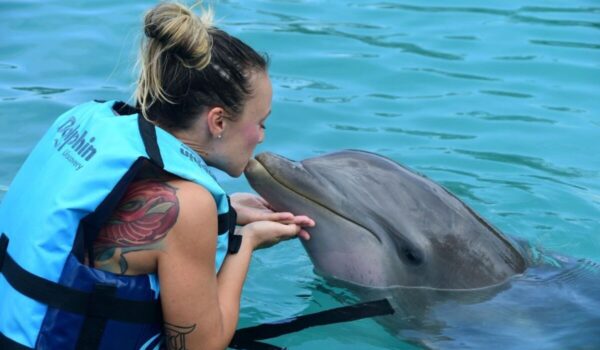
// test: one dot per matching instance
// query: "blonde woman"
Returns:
(114, 244)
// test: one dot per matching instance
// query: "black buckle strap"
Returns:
(246, 338)
(234, 242)
(100, 305)
(148, 133)
(94, 324)
(3, 248)
(227, 223)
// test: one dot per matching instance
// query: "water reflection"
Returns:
(569, 44)
(452, 74)
(301, 84)
(506, 93)
(41, 90)
(431, 134)
(508, 117)
(526, 161)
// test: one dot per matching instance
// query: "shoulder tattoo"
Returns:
(144, 216)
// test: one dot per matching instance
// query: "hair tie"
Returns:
(151, 31)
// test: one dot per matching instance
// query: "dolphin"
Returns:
(380, 224)
(454, 281)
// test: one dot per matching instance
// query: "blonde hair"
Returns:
(171, 27)
(187, 64)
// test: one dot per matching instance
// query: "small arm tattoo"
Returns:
(175, 336)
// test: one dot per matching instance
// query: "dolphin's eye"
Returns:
(411, 256)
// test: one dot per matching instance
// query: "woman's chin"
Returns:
(235, 172)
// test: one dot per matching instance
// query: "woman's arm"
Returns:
(200, 308)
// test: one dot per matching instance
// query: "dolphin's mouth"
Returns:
(282, 183)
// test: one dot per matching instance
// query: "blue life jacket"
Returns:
(63, 194)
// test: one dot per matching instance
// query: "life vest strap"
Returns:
(148, 133)
(247, 338)
(92, 304)
(227, 223)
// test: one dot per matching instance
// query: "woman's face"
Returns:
(240, 137)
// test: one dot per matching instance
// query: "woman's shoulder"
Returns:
(191, 192)
(158, 183)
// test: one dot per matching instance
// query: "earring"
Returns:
(219, 136)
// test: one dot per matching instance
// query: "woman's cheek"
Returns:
(252, 135)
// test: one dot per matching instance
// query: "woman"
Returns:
(126, 203)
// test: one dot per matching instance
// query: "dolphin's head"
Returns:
(380, 224)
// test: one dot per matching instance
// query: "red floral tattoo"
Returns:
(144, 216)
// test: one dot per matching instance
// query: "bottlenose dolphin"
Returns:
(380, 224)
(454, 280)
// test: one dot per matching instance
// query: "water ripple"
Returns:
(388, 115)
(569, 44)
(451, 171)
(352, 128)
(340, 99)
(301, 84)
(527, 187)
(514, 15)
(564, 109)
(514, 184)
(438, 9)
(416, 97)
(461, 37)
(294, 24)
(551, 179)
(516, 58)
(41, 90)
(508, 117)
(464, 190)
(430, 134)
(555, 22)
(378, 41)
(543, 9)
(506, 93)
(571, 271)
(530, 162)
(452, 75)
(7, 66)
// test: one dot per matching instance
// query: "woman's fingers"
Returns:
(301, 220)
(263, 202)
(303, 234)
(304, 220)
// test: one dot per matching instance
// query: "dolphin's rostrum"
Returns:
(380, 224)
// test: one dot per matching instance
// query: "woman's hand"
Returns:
(251, 208)
(263, 234)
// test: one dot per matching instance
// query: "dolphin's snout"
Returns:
(251, 166)
(271, 160)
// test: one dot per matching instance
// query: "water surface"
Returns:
(497, 101)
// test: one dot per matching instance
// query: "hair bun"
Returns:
(179, 30)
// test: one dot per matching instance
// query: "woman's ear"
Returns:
(216, 121)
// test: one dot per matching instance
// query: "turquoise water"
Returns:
(497, 101)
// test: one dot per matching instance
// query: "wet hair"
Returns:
(188, 65)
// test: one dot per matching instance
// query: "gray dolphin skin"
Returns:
(380, 224)
(454, 281)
